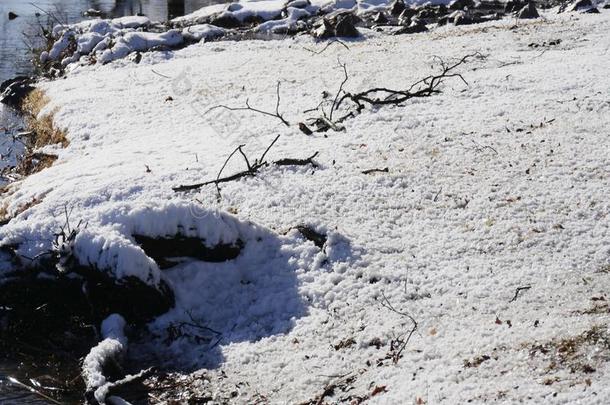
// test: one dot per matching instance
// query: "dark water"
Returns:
(14, 51)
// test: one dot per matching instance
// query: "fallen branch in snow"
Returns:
(518, 290)
(333, 41)
(297, 162)
(423, 88)
(275, 114)
(370, 171)
(252, 169)
(379, 96)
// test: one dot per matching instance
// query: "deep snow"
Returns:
(492, 186)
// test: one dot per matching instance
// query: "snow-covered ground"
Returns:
(499, 184)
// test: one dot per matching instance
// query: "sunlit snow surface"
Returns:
(492, 186)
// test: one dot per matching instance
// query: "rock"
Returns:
(135, 57)
(462, 18)
(528, 11)
(12, 16)
(584, 6)
(408, 12)
(397, 7)
(318, 239)
(415, 27)
(406, 16)
(93, 13)
(15, 90)
(325, 30)
(225, 20)
(337, 25)
(380, 19)
(430, 14)
(345, 25)
(460, 4)
(514, 5)
(490, 5)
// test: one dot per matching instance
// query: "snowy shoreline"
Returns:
(480, 212)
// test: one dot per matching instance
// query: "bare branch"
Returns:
(334, 41)
(252, 169)
(276, 114)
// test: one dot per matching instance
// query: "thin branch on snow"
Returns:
(518, 290)
(371, 171)
(334, 41)
(425, 87)
(345, 79)
(248, 107)
(379, 96)
(396, 352)
(252, 168)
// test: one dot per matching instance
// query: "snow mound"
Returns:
(95, 37)
(107, 243)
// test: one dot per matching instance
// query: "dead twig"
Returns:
(334, 41)
(297, 162)
(518, 290)
(423, 88)
(252, 168)
(379, 96)
(399, 344)
(248, 107)
(370, 171)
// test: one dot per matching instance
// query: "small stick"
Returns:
(518, 290)
(369, 171)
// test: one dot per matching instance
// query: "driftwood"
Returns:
(379, 96)
(251, 168)
(425, 87)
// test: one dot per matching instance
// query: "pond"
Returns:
(16, 34)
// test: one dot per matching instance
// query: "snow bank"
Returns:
(92, 37)
(284, 24)
(201, 32)
(107, 244)
(140, 41)
(111, 348)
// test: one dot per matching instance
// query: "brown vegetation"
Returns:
(42, 131)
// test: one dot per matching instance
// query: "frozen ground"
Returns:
(490, 187)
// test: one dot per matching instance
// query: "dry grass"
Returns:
(42, 126)
(43, 132)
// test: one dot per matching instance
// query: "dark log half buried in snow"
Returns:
(167, 251)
